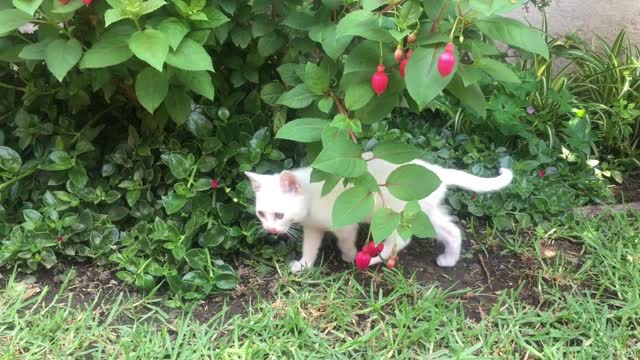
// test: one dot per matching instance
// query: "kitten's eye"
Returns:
(278, 215)
(261, 214)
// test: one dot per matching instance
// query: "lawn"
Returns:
(568, 292)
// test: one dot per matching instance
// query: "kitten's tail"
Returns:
(452, 177)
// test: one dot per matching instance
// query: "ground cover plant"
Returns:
(200, 96)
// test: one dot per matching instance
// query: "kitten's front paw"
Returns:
(297, 266)
(447, 260)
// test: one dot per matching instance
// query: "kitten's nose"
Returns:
(273, 231)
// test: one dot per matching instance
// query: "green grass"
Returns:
(590, 308)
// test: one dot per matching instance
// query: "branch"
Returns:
(436, 22)
(341, 108)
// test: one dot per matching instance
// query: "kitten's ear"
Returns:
(289, 182)
(255, 180)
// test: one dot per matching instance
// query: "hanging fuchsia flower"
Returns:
(215, 184)
(87, 2)
(59, 239)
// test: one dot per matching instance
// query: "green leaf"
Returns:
(329, 184)
(271, 92)
(422, 69)
(226, 281)
(78, 176)
(288, 74)
(175, 30)
(173, 203)
(421, 226)
(150, 6)
(145, 281)
(325, 104)
(470, 96)
(352, 206)
(179, 165)
(332, 44)
(412, 182)
(497, 70)
(316, 79)
(11, 19)
(358, 95)
(152, 87)
(9, 160)
(438, 8)
(35, 51)
(364, 24)
(396, 152)
(297, 98)
(342, 158)
(178, 105)
(304, 130)
(111, 49)
(32, 216)
(113, 15)
(383, 223)
(62, 55)
(190, 56)
(514, 33)
(470, 74)
(197, 81)
(150, 46)
(269, 44)
(28, 6)
(213, 237)
(490, 7)
(197, 258)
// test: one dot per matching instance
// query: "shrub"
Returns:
(72, 89)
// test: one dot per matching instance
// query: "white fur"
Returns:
(303, 204)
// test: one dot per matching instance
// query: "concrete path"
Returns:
(605, 18)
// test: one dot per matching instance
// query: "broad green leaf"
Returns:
(288, 74)
(438, 8)
(396, 152)
(215, 17)
(365, 24)
(175, 30)
(114, 15)
(270, 44)
(316, 80)
(150, 46)
(190, 56)
(35, 51)
(178, 105)
(422, 69)
(226, 281)
(490, 7)
(379, 109)
(11, 19)
(329, 184)
(32, 216)
(10, 160)
(150, 6)
(28, 6)
(412, 182)
(358, 95)
(514, 33)
(470, 74)
(325, 104)
(197, 81)
(370, 5)
(297, 98)
(352, 206)
(303, 130)
(342, 158)
(111, 49)
(62, 55)
(197, 258)
(152, 87)
(271, 92)
(383, 223)
(497, 70)
(470, 96)
(78, 176)
(332, 44)
(421, 226)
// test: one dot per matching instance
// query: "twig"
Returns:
(341, 108)
(484, 267)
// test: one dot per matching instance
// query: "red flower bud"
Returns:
(372, 250)
(446, 61)
(392, 262)
(214, 184)
(87, 2)
(541, 173)
(362, 260)
(399, 54)
(379, 81)
(59, 239)
(403, 66)
(412, 37)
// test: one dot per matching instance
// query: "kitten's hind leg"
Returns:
(450, 236)
(347, 242)
(399, 242)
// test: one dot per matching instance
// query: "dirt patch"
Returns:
(629, 190)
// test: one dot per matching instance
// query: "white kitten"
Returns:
(290, 197)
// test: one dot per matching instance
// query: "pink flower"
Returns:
(87, 2)
(541, 173)
(214, 184)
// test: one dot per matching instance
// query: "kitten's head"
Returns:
(280, 200)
